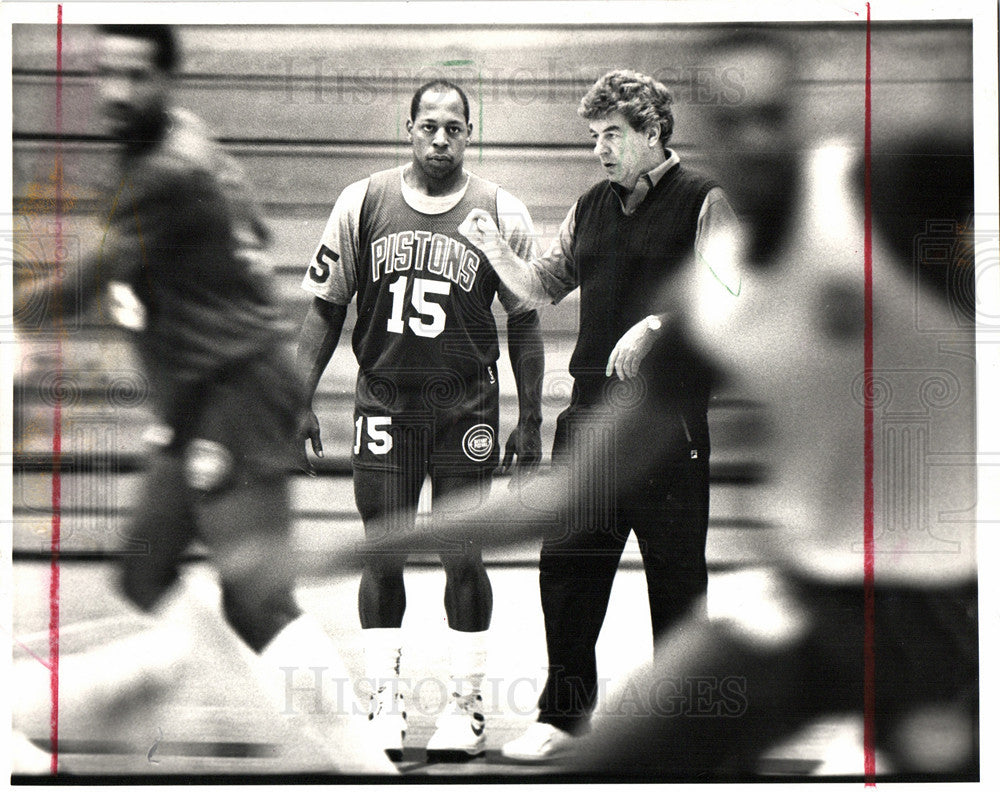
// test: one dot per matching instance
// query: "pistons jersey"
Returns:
(425, 337)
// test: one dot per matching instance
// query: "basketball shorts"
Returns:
(242, 425)
(222, 479)
(453, 431)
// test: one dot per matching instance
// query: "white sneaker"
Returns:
(541, 742)
(387, 720)
(461, 731)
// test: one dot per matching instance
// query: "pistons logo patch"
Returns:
(478, 442)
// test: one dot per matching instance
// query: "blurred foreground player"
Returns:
(633, 231)
(802, 646)
(184, 258)
(427, 388)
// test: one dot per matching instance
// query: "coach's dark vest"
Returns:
(623, 263)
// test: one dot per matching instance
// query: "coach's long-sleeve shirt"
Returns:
(553, 275)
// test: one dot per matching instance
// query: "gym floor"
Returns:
(205, 718)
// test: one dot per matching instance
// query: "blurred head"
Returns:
(630, 122)
(439, 128)
(750, 132)
(136, 65)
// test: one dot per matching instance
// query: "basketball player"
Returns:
(619, 242)
(184, 260)
(426, 399)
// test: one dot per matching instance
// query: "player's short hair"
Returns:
(442, 86)
(642, 100)
(167, 57)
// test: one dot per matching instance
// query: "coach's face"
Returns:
(439, 134)
(133, 89)
(625, 153)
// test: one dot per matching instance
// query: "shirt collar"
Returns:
(630, 201)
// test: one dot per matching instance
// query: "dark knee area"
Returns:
(384, 568)
(143, 585)
(257, 616)
(462, 565)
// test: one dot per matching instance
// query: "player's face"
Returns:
(439, 134)
(133, 89)
(625, 153)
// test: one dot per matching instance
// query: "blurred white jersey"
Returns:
(793, 333)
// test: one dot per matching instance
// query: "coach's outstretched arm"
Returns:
(518, 275)
(317, 341)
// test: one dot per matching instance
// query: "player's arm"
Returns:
(715, 247)
(534, 281)
(524, 342)
(538, 508)
(527, 359)
(330, 278)
(318, 340)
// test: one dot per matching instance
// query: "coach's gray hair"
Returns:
(642, 100)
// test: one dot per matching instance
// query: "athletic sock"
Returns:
(468, 662)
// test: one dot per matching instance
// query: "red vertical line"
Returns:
(869, 520)
(56, 426)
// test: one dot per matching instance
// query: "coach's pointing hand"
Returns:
(479, 228)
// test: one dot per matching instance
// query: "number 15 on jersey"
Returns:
(379, 439)
(430, 322)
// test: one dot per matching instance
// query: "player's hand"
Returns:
(479, 228)
(524, 443)
(630, 350)
(309, 430)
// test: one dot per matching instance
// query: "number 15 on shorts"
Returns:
(379, 439)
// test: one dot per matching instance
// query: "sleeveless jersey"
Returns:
(425, 337)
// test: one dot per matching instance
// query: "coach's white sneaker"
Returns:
(541, 742)
(461, 731)
(387, 720)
